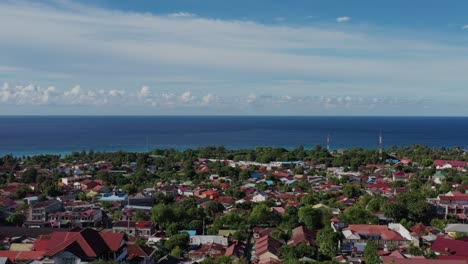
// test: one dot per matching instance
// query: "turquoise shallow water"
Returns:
(26, 135)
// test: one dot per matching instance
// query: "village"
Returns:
(219, 206)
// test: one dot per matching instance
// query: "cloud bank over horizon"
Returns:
(185, 63)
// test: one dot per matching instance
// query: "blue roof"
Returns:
(269, 182)
(191, 233)
(255, 175)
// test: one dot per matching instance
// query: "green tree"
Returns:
(260, 215)
(327, 241)
(395, 211)
(370, 253)
(438, 223)
(311, 217)
(176, 252)
(351, 190)
(162, 214)
(179, 240)
(358, 215)
(16, 218)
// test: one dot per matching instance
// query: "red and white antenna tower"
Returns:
(380, 145)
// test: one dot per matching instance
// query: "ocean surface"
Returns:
(28, 135)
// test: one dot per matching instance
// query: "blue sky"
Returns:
(243, 57)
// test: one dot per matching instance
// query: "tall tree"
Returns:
(311, 217)
(370, 253)
(327, 241)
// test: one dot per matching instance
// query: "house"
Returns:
(355, 236)
(266, 247)
(450, 247)
(236, 250)
(449, 164)
(82, 218)
(209, 250)
(113, 197)
(260, 197)
(140, 254)
(439, 177)
(72, 179)
(39, 212)
(169, 190)
(302, 235)
(210, 194)
(454, 229)
(75, 246)
(399, 176)
(138, 229)
(259, 232)
(452, 203)
(207, 239)
(394, 260)
(21, 256)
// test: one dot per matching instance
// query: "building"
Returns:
(302, 235)
(39, 212)
(202, 239)
(452, 203)
(82, 218)
(138, 229)
(75, 246)
(267, 248)
(450, 164)
(355, 236)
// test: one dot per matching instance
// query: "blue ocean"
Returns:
(29, 135)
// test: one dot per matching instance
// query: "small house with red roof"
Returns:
(449, 164)
(210, 194)
(140, 254)
(132, 228)
(450, 247)
(266, 247)
(302, 235)
(393, 234)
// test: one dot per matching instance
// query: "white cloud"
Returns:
(116, 93)
(187, 97)
(144, 92)
(280, 19)
(343, 19)
(121, 49)
(181, 15)
(209, 99)
(251, 99)
(465, 27)
(34, 96)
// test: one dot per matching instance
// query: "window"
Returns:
(68, 260)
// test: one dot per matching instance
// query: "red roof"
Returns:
(136, 251)
(454, 163)
(267, 244)
(113, 240)
(375, 230)
(419, 229)
(301, 235)
(450, 246)
(453, 198)
(143, 224)
(16, 256)
(393, 260)
(85, 243)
